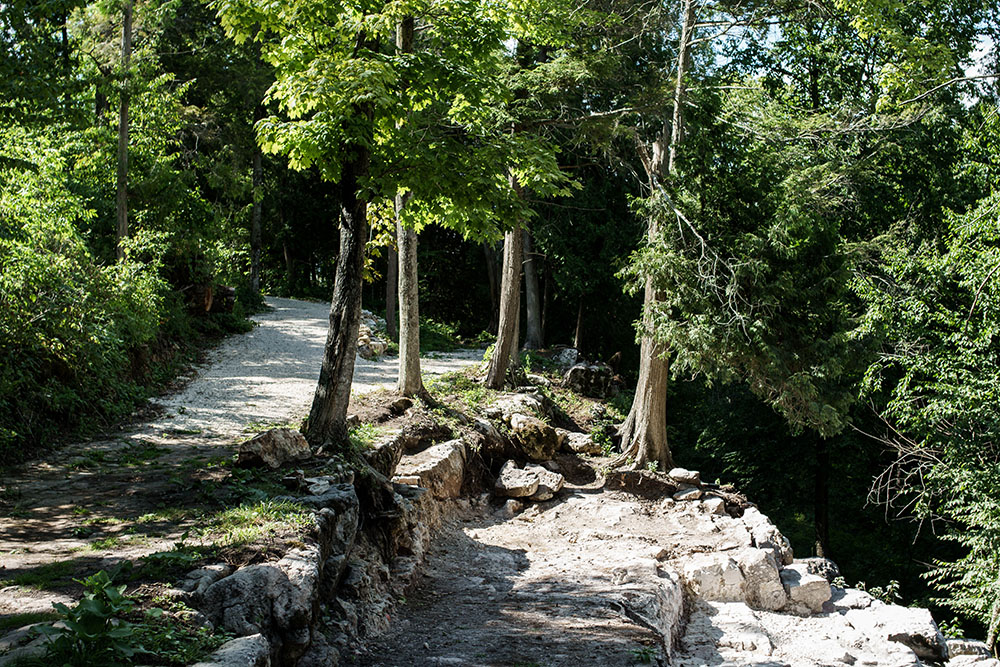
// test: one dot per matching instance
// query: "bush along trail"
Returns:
(485, 528)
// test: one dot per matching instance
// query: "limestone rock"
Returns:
(567, 357)
(971, 647)
(823, 567)
(386, 453)
(684, 476)
(578, 443)
(250, 651)
(911, 627)
(589, 380)
(511, 508)
(197, 581)
(506, 406)
(763, 588)
(440, 469)
(766, 536)
(688, 492)
(806, 592)
(513, 482)
(549, 482)
(538, 380)
(714, 577)
(714, 505)
(536, 439)
(273, 449)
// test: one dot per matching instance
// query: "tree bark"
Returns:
(510, 306)
(578, 331)
(410, 383)
(391, 290)
(546, 298)
(644, 432)
(532, 302)
(491, 276)
(121, 196)
(821, 499)
(327, 421)
(256, 219)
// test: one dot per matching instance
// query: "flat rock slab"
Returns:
(439, 468)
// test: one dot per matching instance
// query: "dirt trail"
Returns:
(80, 505)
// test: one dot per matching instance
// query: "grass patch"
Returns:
(463, 385)
(251, 522)
(363, 437)
(50, 575)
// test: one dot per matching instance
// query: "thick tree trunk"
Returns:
(532, 302)
(491, 276)
(391, 290)
(644, 432)
(256, 220)
(510, 309)
(327, 421)
(546, 298)
(821, 499)
(409, 383)
(121, 196)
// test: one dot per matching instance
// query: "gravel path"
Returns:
(79, 504)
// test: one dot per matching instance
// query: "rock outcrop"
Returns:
(273, 449)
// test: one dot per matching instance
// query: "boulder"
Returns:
(370, 345)
(196, 582)
(765, 535)
(439, 468)
(536, 439)
(510, 508)
(971, 647)
(589, 380)
(714, 577)
(514, 482)
(505, 407)
(688, 492)
(549, 482)
(566, 357)
(910, 626)
(250, 651)
(538, 380)
(806, 592)
(714, 505)
(578, 443)
(684, 476)
(763, 588)
(823, 567)
(273, 449)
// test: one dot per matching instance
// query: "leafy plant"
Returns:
(94, 632)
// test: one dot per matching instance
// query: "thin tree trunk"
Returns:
(289, 266)
(578, 331)
(391, 290)
(256, 220)
(821, 502)
(532, 302)
(121, 196)
(327, 421)
(510, 306)
(491, 276)
(410, 383)
(644, 432)
(546, 298)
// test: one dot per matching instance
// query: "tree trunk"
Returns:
(644, 432)
(327, 421)
(391, 290)
(532, 302)
(121, 196)
(256, 220)
(510, 307)
(578, 331)
(409, 383)
(546, 298)
(821, 499)
(491, 276)
(289, 267)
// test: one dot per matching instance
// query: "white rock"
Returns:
(763, 587)
(766, 536)
(692, 493)
(549, 482)
(440, 469)
(806, 592)
(686, 476)
(909, 626)
(273, 448)
(714, 505)
(957, 647)
(510, 508)
(514, 482)
(714, 577)
(578, 443)
(251, 651)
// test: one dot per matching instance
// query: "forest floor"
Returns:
(90, 505)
